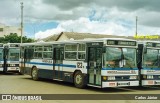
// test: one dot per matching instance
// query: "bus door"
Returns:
(28, 55)
(58, 63)
(95, 65)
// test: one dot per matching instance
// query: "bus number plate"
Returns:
(79, 64)
(122, 83)
(150, 82)
(12, 68)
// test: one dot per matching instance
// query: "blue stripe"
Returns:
(63, 65)
(119, 68)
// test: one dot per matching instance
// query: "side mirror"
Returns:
(158, 59)
(145, 50)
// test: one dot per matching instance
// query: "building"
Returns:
(63, 36)
(79, 36)
(7, 30)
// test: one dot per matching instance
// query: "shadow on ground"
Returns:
(100, 90)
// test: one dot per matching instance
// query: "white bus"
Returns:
(149, 63)
(100, 63)
(1, 57)
(11, 57)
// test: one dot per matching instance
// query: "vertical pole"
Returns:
(21, 21)
(136, 24)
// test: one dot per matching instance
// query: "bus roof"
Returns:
(75, 41)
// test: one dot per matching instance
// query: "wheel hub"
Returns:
(78, 79)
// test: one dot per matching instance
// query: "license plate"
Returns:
(12, 68)
(122, 83)
(150, 82)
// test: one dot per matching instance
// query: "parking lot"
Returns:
(23, 84)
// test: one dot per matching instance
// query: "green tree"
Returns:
(14, 38)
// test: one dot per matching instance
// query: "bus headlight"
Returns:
(104, 78)
(149, 76)
(12, 65)
(111, 77)
(133, 77)
(144, 76)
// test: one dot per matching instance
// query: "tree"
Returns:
(14, 38)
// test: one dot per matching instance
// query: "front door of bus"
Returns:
(58, 63)
(95, 65)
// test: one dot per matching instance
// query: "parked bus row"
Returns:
(107, 62)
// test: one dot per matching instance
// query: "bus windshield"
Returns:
(120, 57)
(150, 58)
(1, 54)
(14, 54)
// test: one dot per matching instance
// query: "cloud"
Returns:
(41, 34)
(85, 25)
(102, 14)
(51, 10)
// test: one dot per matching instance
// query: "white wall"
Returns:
(9, 29)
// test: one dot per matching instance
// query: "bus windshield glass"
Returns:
(119, 57)
(150, 58)
(14, 54)
(1, 54)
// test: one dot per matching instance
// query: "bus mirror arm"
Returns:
(158, 60)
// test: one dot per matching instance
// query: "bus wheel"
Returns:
(79, 80)
(34, 73)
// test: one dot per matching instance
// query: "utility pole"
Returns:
(136, 24)
(21, 21)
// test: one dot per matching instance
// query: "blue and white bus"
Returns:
(1, 57)
(149, 63)
(11, 56)
(101, 63)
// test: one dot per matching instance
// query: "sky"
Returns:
(43, 18)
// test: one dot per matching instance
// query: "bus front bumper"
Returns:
(1, 68)
(13, 69)
(120, 84)
(150, 82)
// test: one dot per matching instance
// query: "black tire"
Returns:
(34, 73)
(79, 80)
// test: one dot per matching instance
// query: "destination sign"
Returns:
(150, 44)
(122, 43)
(95, 44)
(14, 45)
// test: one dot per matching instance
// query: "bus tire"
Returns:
(34, 73)
(79, 80)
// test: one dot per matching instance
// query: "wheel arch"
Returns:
(77, 70)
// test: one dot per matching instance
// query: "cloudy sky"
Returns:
(117, 17)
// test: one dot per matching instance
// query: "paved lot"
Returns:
(23, 84)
